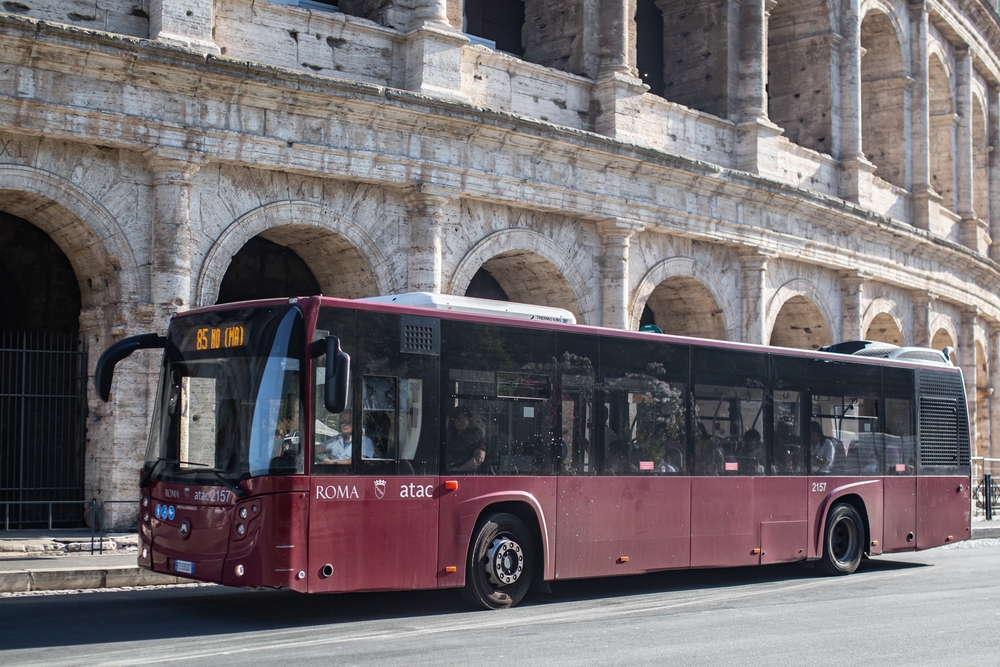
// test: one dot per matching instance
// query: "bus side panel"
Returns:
(460, 509)
(900, 514)
(622, 525)
(377, 536)
(783, 516)
(943, 510)
(724, 527)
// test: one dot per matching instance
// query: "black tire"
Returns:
(501, 563)
(843, 541)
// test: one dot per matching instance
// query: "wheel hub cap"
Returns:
(505, 561)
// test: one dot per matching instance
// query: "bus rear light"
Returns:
(239, 570)
(451, 485)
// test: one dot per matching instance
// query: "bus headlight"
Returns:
(240, 529)
(243, 512)
(239, 570)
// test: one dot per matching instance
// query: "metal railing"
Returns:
(97, 511)
(985, 488)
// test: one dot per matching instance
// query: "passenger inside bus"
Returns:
(752, 455)
(465, 442)
(823, 449)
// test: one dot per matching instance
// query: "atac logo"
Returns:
(380, 488)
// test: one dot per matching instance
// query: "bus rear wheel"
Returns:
(501, 563)
(843, 544)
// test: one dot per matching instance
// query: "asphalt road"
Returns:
(933, 608)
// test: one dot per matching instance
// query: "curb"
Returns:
(985, 532)
(23, 581)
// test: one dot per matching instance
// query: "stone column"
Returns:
(994, 353)
(753, 262)
(922, 302)
(434, 52)
(851, 284)
(186, 23)
(755, 134)
(619, 90)
(856, 171)
(616, 236)
(994, 174)
(967, 359)
(920, 118)
(963, 149)
(170, 250)
(425, 212)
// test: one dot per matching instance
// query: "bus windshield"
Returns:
(229, 404)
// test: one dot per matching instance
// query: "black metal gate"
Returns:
(43, 407)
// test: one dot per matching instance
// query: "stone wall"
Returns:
(390, 154)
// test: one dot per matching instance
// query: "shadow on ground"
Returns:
(166, 613)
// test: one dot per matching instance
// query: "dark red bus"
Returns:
(495, 451)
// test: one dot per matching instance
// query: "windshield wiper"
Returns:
(144, 482)
(215, 471)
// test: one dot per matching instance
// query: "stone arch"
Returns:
(694, 274)
(330, 245)
(84, 230)
(798, 317)
(942, 128)
(799, 53)
(980, 157)
(507, 253)
(883, 86)
(883, 322)
(944, 336)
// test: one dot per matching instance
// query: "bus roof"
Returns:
(468, 304)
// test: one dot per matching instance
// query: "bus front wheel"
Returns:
(501, 563)
(843, 540)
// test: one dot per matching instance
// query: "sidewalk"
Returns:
(61, 560)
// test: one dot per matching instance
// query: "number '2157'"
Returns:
(819, 486)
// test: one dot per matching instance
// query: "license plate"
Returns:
(185, 566)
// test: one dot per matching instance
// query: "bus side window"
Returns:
(500, 400)
(642, 420)
(730, 402)
(577, 387)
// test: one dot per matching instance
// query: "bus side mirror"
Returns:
(338, 376)
(123, 348)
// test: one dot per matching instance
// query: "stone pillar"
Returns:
(619, 90)
(967, 359)
(753, 262)
(994, 353)
(170, 250)
(922, 302)
(425, 213)
(756, 145)
(994, 175)
(616, 236)
(434, 52)
(920, 121)
(856, 171)
(186, 23)
(963, 149)
(851, 284)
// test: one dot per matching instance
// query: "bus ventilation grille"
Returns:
(420, 335)
(944, 429)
